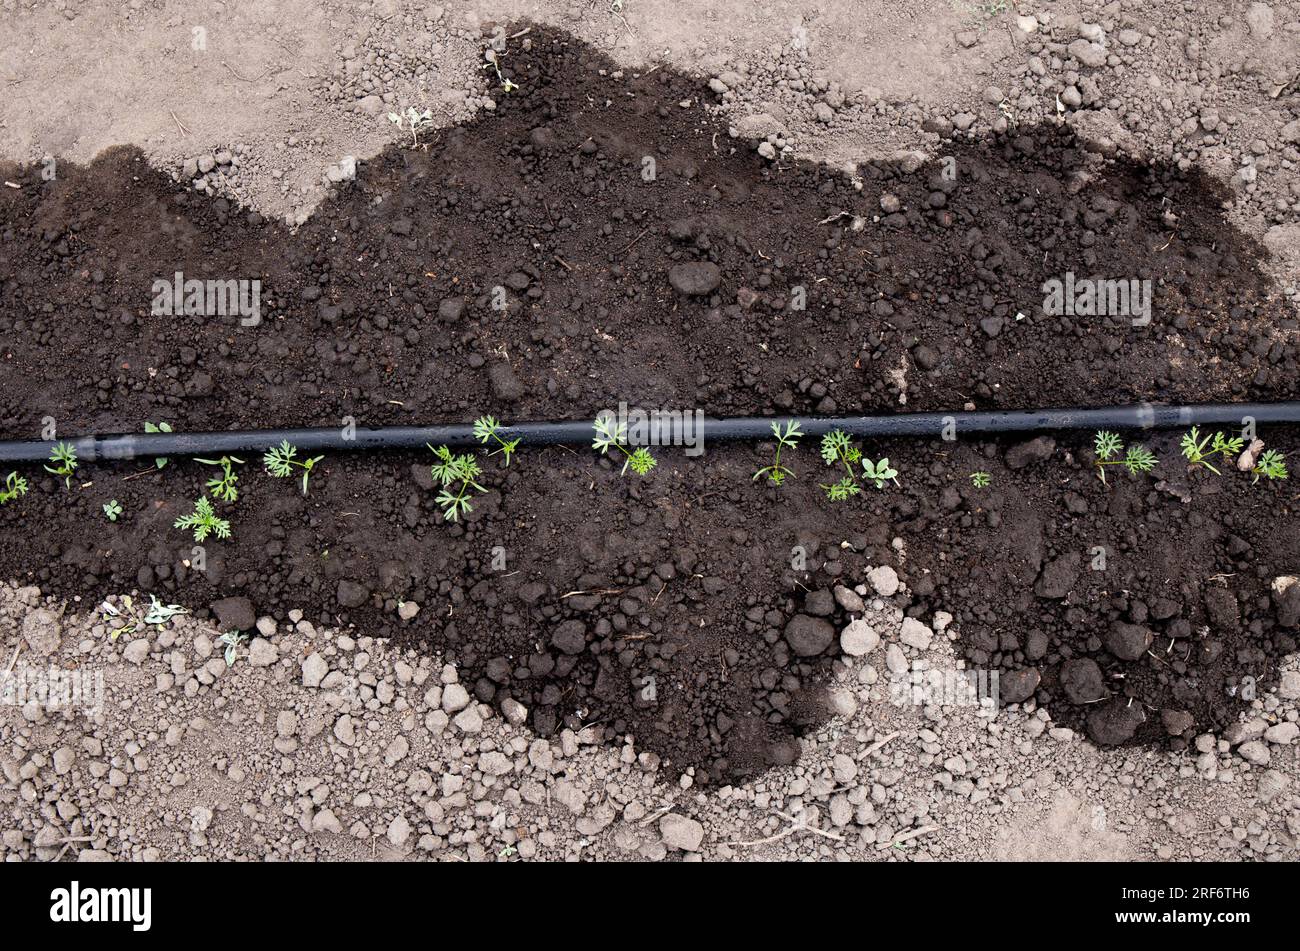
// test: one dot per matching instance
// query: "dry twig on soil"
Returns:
(899, 840)
(796, 825)
(880, 742)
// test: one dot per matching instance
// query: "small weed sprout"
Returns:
(491, 56)
(204, 522)
(111, 612)
(786, 438)
(64, 457)
(112, 509)
(1198, 450)
(1271, 465)
(448, 471)
(223, 486)
(15, 488)
(488, 428)
(281, 460)
(232, 640)
(129, 624)
(980, 480)
(415, 121)
(159, 613)
(158, 461)
(1136, 459)
(878, 473)
(610, 433)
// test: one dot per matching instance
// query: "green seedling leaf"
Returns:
(160, 613)
(1271, 465)
(158, 461)
(879, 473)
(281, 460)
(15, 488)
(203, 521)
(232, 640)
(786, 438)
(612, 435)
(64, 457)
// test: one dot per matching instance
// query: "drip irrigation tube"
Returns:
(940, 425)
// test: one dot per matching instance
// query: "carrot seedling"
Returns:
(610, 433)
(1136, 459)
(1271, 465)
(203, 521)
(837, 448)
(15, 488)
(489, 428)
(64, 457)
(281, 461)
(223, 486)
(785, 439)
(1198, 450)
(459, 472)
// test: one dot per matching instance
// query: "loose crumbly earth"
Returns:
(321, 744)
(248, 761)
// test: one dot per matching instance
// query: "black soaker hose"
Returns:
(938, 425)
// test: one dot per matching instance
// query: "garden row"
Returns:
(457, 474)
(921, 292)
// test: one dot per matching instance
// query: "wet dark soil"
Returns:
(568, 585)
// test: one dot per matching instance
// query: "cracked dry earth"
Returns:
(322, 743)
